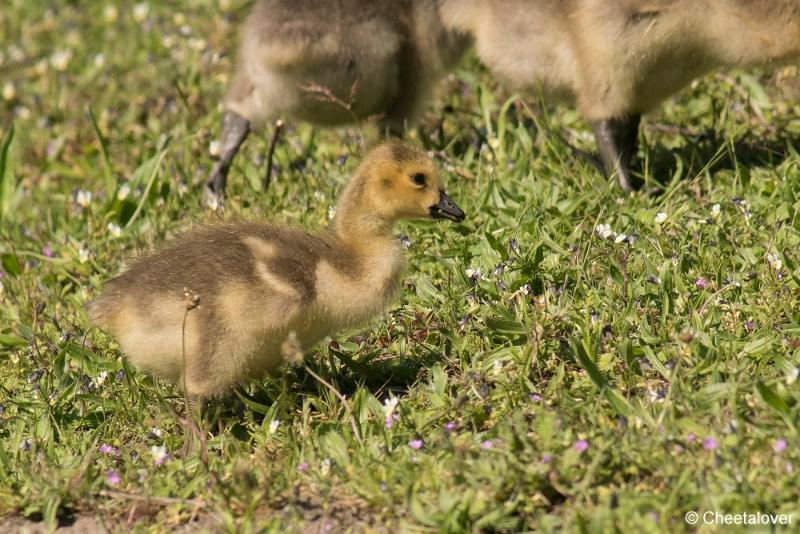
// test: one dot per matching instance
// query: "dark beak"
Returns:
(447, 209)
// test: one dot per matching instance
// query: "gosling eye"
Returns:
(418, 179)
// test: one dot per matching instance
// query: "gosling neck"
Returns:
(357, 221)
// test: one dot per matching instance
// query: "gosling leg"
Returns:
(273, 142)
(616, 141)
(234, 131)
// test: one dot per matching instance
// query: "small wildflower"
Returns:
(101, 378)
(415, 444)
(774, 261)
(660, 217)
(709, 444)
(108, 449)
(621, 238)
(581, 445)
(331, 213)
(159, 453)
(450, 426)
(389, 405)
(83, 255)
(535, 397)
(302, 467)
(273, 426)
(325, 467)
(390, 420)
(604, 231)
(701, 283)
(47, 251)
(111, 13)
(779, 446)
(155, 432)
(123, 191)
(487, 444)
(715, 211)
(60, 60)
(499, 270)
(99, 60)
(213, 149)
(690, 438)
(546, 458)
(112, 477)
(83, 198)
(140, 11)
(114, 229)
(473, 274)
(9, 91)
(749, 326)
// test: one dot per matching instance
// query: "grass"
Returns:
(546, 377)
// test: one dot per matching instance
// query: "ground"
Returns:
(572, 357)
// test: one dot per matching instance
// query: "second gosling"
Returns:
(250, 285)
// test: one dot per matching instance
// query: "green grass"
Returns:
(673, 356)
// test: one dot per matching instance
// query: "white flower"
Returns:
(83, 198)
(660, 217)
(140, 11)
(83, 255)
(114, 229)
(620, 238)
(99, 60)
(9, 91)
(774, 261)
(123, 192)
(60, 60)
(157, 432)
(159, 453)
(325, 467)
(213, 149)
(604, 231)
(100, 379)
(273, 426)
(389, 405)
(110, 13)
(791, 376)
(474, 274)
(331, 213)
(715, 211)
(197, 43)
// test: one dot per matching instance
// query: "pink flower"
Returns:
(546, 458)
(701, 283)
(415, 444)
(535, 397)
(779, 445)
(690, 438)
(108, 449)
(581, 445)
(450, 425)
(112, 477)
(487, 444)
(47, 251)
(709, 444)
(302, 467)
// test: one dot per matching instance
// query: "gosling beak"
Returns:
(446, 209)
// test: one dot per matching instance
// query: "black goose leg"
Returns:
(234, 131)
(271, 153)
(616, 142)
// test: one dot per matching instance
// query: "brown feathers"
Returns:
(214, 305)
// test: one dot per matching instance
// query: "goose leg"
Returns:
(234, 131)
(271, 153)
(616, 141)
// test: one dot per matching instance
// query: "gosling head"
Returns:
(397, 181)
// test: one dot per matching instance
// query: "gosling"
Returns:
(213, 307)
(332, 63)
(617, 60)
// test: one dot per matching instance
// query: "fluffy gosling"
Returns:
(214, 306)
(332, 63)
(617, 60)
